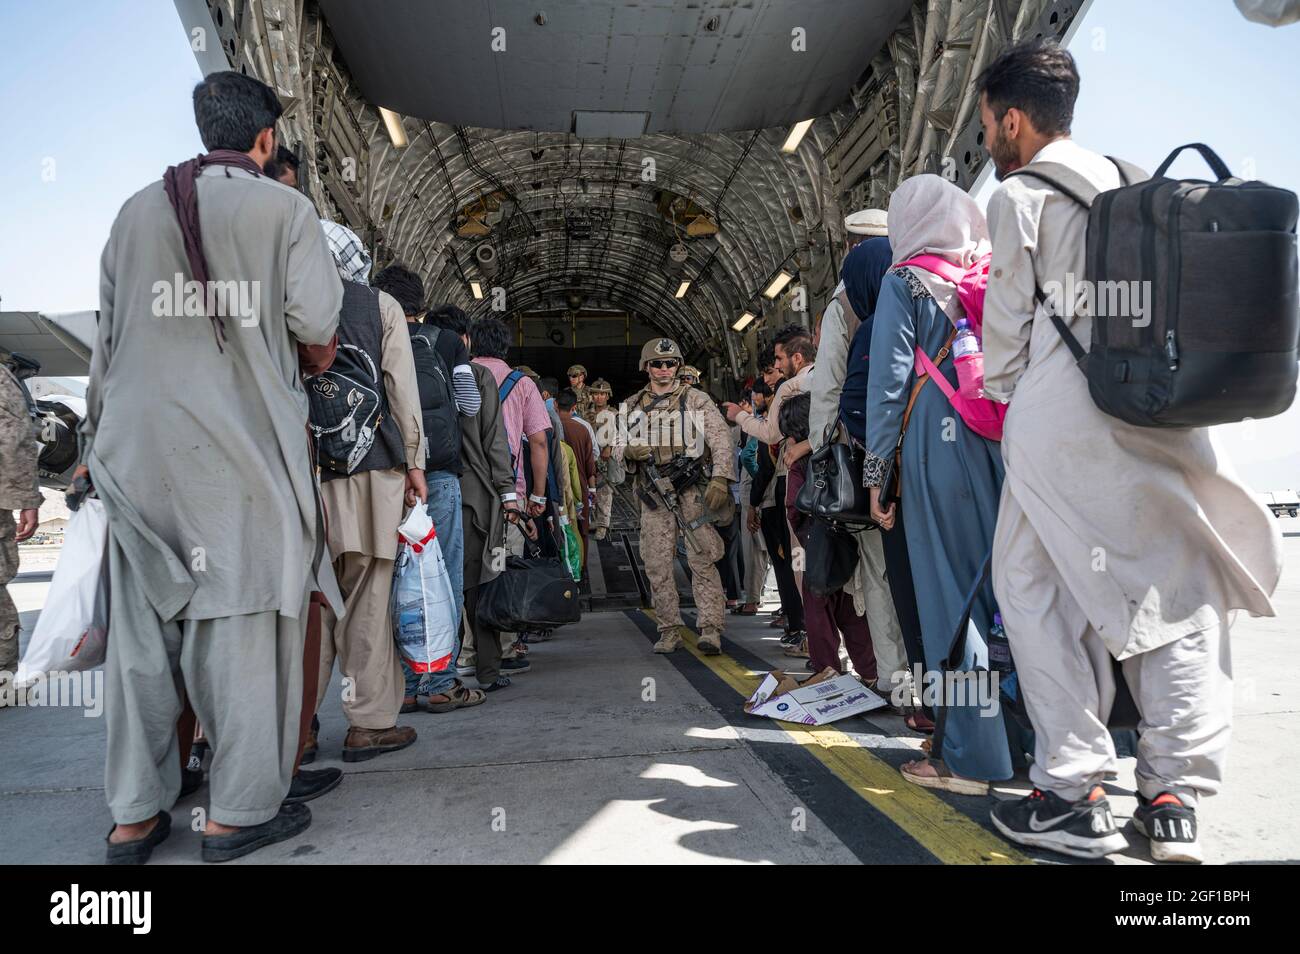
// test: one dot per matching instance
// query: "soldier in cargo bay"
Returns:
(679, 450)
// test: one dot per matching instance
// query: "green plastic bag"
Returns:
(572, 548)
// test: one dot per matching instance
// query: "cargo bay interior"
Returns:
(599, 174)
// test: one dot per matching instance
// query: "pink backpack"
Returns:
(982, 415)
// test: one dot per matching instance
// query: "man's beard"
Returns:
(1005, 156)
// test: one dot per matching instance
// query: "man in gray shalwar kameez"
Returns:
(1113, 541)
(195, 439)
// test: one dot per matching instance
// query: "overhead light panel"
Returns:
(393, 123)
(781, 280)
(743, 321)
(797, 132)
(682, 289)
(476, 289)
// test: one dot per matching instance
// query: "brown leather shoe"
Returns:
(362, 744)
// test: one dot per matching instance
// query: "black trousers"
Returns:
(729, 565)
(487, 642)
(898, 568)
(776, 534)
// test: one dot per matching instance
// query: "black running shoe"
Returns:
(501, 682)
(1083, 829)
(513, 667)
(792, 637)
(1171, 826)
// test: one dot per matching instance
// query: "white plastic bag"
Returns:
(423, 606)
(70, 635)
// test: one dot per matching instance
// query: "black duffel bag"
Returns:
(833, 490)
(532, 592)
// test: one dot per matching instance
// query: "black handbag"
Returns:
(833, 490)
(832, 556)
(533, 592)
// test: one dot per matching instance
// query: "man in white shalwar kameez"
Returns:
(1113, 541)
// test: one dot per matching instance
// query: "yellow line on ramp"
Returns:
(945, 832)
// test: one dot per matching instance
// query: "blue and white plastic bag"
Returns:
(423, 606)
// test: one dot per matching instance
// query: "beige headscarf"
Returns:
(928, 215)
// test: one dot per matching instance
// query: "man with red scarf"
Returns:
(195, 441)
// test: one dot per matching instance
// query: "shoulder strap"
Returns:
(508, 385)
(1071, 342)
(1128, 173)
(940, 355)
(1063, 179)
(1070, 183)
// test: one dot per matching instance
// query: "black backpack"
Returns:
(1215, 263)
(437, 402)
(346, 407)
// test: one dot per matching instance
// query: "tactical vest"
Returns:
(672, 402)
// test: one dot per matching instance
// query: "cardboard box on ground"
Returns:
(825, 697)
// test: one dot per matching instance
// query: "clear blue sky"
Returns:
(102, 88)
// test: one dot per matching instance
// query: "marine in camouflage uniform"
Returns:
(689, 375)
(605, 423)
(581, 391)
(19, 490)
(659, 530)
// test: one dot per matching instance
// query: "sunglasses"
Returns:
(664, 364)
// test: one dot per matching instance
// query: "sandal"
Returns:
(799, 651)
(748, 609)
(918, 721)
(459, 698)
(941, 777)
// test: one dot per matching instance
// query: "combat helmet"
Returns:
(600, 386)
(660, 348)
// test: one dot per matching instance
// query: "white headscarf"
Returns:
(350, 255)
(928, 215)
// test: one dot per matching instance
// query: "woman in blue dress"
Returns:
(950, 477)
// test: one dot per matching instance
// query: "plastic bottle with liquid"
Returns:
(969, 359)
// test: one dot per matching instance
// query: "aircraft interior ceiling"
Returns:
(621, 171)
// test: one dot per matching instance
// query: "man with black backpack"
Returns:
(1115, 539)
(448, 391)
(365, 414)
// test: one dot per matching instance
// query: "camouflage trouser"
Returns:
(8, 611)
(659, 533)
(604, 502)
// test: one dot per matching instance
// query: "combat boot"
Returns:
(710, 644)
(669, 640)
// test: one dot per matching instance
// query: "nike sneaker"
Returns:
(1082, 829)
(1171, 826)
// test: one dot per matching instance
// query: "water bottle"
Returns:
(999, 647)
(968, 357)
